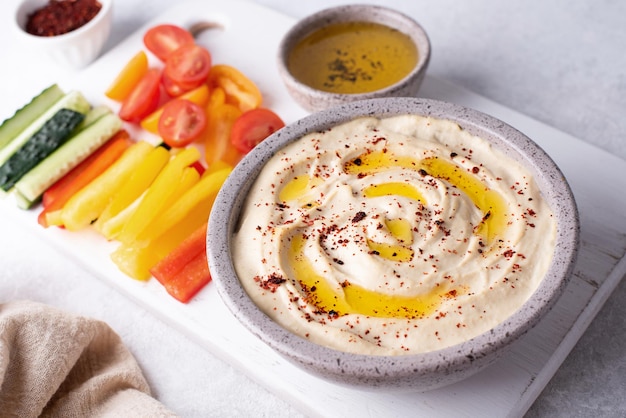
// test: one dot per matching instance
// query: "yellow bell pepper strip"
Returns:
(217, 144)
(240, 90)
(128, 77)
(190, 210)
(114, 225)
(138, 183)
(159, 193)
(185, 270)
(199, 96)
(167, 231)
(85, 206)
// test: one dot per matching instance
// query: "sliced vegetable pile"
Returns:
(83, 166)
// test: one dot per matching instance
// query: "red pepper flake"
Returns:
(508, 253)
(271, 283)
(61, 16)
(359, 217)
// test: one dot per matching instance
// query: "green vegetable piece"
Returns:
(50, 137)
(11, 127)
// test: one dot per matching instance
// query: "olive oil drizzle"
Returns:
(354, 299)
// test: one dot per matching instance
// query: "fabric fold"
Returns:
(53, 363)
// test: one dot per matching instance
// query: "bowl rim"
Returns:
(226, 211)
(27, 7)
(344, 13)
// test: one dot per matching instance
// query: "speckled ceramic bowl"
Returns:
(410, 372)
(314, 100)
(74, 49)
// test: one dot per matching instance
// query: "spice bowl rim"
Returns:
(313, 99)
(411, 372)
(26, 7)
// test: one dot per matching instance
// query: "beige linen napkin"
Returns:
(53, 363)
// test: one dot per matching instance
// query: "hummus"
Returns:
(392, 236)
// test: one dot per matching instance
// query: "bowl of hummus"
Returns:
(393, 244)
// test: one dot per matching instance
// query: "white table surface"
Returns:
(560, 62)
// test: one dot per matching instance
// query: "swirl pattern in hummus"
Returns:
(392, 236)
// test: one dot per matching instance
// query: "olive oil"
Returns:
(490, 203)
(353, 57)
(352, 298)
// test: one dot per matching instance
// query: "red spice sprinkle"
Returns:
(61, 16)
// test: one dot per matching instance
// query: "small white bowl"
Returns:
(74, 49)
(313, 99)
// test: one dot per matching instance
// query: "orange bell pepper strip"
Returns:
(199, 96)
(128, 77)
(158, 195)
(240, 90)
(185, 271)
(60, 192)
(85, 206)
(145, 173)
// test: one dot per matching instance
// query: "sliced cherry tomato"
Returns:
(181, 123)
(128, 77)
(171, 87)
(217, 139)
(254, 126)
(144, 98)
(188, 66)
(164, 39)
(240, 90)
(199, 95)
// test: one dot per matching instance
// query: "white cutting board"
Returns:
(249, 41)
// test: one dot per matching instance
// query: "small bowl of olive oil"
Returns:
(353, 52)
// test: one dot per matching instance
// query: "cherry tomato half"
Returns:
(144, 98)
(164, 39)
(181, 122)
(188, 66)
(254, 126)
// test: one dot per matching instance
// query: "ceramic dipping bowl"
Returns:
(410, 372)
(75, 49)
(318, 97)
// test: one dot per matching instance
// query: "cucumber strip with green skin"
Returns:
(92, 116)
(73, 100)
(70, 154)
(27, 114)
(21, 201)
(50, 137)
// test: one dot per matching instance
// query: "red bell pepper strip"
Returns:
(185, 270)
(60, 192)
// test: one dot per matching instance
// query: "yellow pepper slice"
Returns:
(128, 78)
(158, 194)
(87, 205)
(138, 183)
(169, 229)
(240, 90)
(199, 96)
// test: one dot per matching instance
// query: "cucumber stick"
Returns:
(92, 116)
(32, 185)
(73, 100)
(45, 141)
(11, 127)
